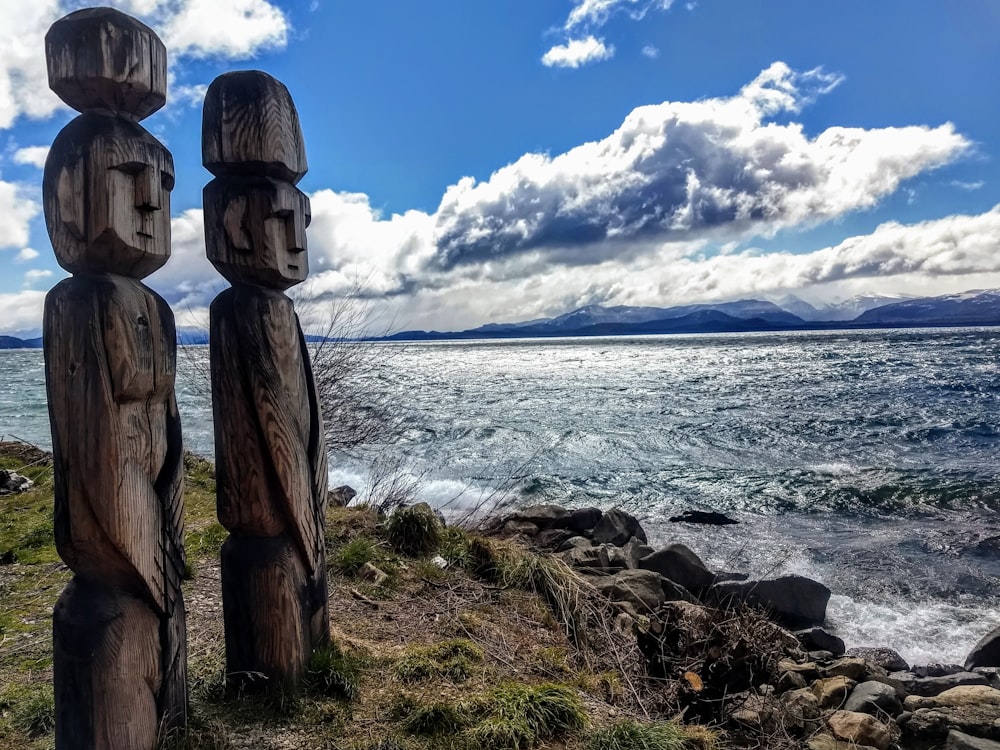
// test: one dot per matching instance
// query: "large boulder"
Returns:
(881, 656)
(931, 686)
(793, 600)
(617, 527)
(862, 729)
(818, 639)
(634, 551)
(971, 709)
(545, 516)
(682, 566)
(961, 741)
(641, 588)
(986, 653)
(583, 520)
(873, 697)
(603, 560)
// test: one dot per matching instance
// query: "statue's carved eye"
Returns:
(131, 167)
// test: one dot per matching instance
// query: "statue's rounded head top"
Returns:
(250, 128)
(100, 58)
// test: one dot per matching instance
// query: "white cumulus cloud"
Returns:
(595, 13)
(232, 29)
(577, 52)
(26, 254)
(31, 155)
(16, 212)
(717, 168)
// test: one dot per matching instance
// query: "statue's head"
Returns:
(100, 58)
(106, 190)
(255, 231)
(250, 127)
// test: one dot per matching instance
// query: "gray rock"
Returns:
(551, 539)
(701, 516)
(930, 686)
(342, 495)
(11, 483)
(961, 741)
(617, 527)
(973, 710)
(641, 588)
(634, 551)
(583, 520)
(886, 658)
(817, 639)
(873, 698)
(793, 600)
(595, 560)
(517, 527)
(986, 653)
(723, 576)
(678, 563)
(574, 542)
(992, 675)
(545, 516)
(936, 670)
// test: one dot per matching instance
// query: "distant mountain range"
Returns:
(974, 308)
(980, 307)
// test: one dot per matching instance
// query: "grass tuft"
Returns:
(452, 660)
(545, 710)
(349, 558)
(414, 530)
(334, 674)
(435, 719)
(633, 735)
(32, 709)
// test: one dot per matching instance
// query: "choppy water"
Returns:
(867, 460)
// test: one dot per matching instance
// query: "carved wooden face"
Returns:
(109, 200)
(255, 231)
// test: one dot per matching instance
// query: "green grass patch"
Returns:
(414, 530)
(511, 717)
(633, 735)
(29, 709)
(348, 558)
(453, 660)
(335, 674)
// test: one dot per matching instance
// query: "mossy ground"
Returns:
(477, 655)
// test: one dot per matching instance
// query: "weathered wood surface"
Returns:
(105, 190)
(270, 452)
(110, 358)
(99, 58)
(250, 127)
(261, 237)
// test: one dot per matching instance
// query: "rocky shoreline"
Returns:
(785, 677)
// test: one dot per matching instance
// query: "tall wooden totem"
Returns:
(270, 454)
(118, 628)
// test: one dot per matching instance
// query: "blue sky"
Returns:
(475, 162)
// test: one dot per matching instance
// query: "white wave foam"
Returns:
(922, 632)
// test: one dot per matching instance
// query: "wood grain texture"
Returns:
(270, 453)
(106, 193)
(110, 360)
(271, 481)
(100, 58)
(250, 127)
(255, 231)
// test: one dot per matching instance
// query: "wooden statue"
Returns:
(270, 454)
(110, 355)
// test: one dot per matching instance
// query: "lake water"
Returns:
(867, 460)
